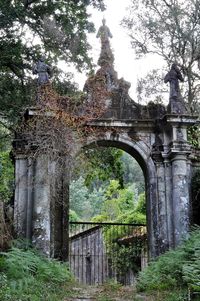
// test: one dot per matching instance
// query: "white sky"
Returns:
(126, 64)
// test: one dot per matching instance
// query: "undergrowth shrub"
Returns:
(179, 268)
(27, 275)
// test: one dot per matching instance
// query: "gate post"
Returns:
(41, 199)
(41, 204)
(176, 153)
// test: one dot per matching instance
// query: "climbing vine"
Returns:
(58, 123)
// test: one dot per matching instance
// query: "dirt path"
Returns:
(107, 292)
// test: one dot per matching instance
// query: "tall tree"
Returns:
(30, 28)
(170, 29)
(98, 165)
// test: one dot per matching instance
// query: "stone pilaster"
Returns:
(168, 202)
(41, 210)
(30, 200)
(152, 216)
(59, 200)
(21, 196)
(162, 208)
(180, 197)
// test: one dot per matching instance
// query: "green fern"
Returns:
(176, 268)
(27, 275)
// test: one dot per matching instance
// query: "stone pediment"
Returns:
(105, 90)
(112, 94)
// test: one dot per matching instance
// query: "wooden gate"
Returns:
(101, 251)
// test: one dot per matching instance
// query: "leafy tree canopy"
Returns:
(31, 28)
(120, 205)
(84, 203)
(108, 184)
(100, 164)
(132, 172)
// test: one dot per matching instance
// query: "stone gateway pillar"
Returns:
(177, 153)
(40, 205)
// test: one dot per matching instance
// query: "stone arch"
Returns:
(163, 157)
(137, 150)
(154, 135)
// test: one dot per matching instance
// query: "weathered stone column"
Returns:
(163, 240)
(41, 210)
(180, 197)
(21, 194)
(152, 219)
(30, 200)
(65, 216)
(152, 215)
(59, 207)
(168, 202)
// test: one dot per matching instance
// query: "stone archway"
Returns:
(167, 169)
(154, 135)
(138, 152)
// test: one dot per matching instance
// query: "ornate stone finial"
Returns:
(43, 70)
(176, 102)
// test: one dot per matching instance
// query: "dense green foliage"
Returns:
(73, 217)
(85, 203)
(108, 186)
(25, 275)
(6, 177)
(31, 28)
(195, 189)
(179, 268)
(98, 165)
(101, 164)
(120, 205)
(5, 136)
(132, 173)
(109, 203)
